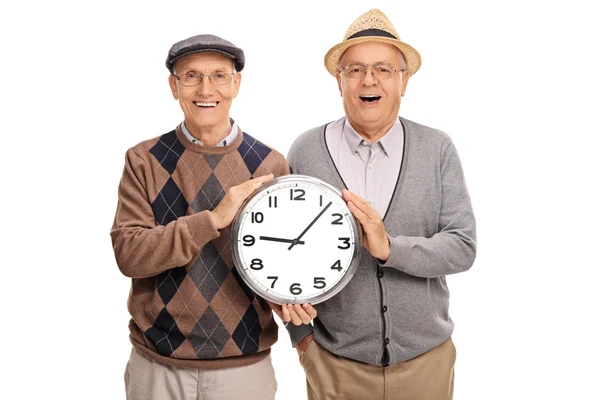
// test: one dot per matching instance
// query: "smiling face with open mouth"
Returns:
(206, 105)
(371, 103)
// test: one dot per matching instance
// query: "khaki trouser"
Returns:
(149, 380)
(427, 377)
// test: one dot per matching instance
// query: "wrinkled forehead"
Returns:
(205, 61)
(371, 53)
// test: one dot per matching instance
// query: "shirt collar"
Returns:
(230, 137)
(388, 142)
(354, 139)
(391, 139)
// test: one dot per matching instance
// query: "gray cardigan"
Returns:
(394, 311)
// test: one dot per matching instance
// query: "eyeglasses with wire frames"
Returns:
(358, 71)
(193, 78)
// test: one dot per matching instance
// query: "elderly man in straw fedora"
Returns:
(387, 334)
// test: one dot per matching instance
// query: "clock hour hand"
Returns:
(274, 239)
(297, 240)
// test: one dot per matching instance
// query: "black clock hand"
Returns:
(296, 241)
(274, 239)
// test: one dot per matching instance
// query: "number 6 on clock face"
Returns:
(296, 241)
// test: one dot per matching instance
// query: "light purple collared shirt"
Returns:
(369, 170)
(232, 134)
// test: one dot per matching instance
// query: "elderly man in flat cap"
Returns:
(197, 330)
(386, 335)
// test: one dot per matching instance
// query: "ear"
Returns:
(237, 80)
(339, 81)
(173, 85)
(405, 76)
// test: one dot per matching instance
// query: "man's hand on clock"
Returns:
(375, 239)
(224, 213)
(297, 314)
(297, 240)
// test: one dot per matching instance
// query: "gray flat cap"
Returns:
(199, 43)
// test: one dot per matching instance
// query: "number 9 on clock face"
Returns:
(295, 241)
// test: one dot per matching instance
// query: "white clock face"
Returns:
(295, 241)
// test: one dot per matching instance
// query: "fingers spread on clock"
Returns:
(303, 315)
(358, 213)
(362, 204)
(294, 316)
(356, 199)
(277, 309)
(347, 195)
(285, 314)
(368, 217)
(310, 310)
(256, 182)
(246, 188)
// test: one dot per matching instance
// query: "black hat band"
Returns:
(372, 32)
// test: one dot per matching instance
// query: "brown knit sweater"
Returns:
(189, 306)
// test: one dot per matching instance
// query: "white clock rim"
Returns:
(358, 243)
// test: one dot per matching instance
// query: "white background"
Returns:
(514, 83)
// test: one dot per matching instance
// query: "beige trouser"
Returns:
(149, 380)
(427, 377)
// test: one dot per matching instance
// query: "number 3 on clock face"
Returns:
(295, 241)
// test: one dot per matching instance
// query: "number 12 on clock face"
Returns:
(295, 241)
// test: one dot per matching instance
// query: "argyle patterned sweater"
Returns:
(189, 306)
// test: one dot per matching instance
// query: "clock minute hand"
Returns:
(274, 239)
(297, 240)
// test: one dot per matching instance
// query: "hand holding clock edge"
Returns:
(224, 213)
(375, 239)
(297, 314)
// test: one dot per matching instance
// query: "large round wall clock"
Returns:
(294, 240)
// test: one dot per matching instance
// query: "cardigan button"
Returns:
(387, 341)
(380, 274)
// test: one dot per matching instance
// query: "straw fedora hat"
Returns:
(372, 26)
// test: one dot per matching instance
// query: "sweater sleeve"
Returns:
(452, 249)
(142, 247)
(297, 333)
